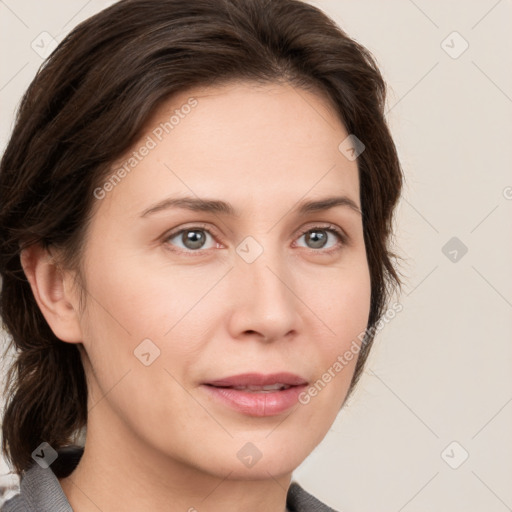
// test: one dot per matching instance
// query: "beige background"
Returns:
(440, 372)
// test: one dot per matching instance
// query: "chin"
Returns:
(261, 460)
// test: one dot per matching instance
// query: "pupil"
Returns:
(317, 237)
(192, 240)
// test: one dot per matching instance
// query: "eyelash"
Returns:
(331, 228)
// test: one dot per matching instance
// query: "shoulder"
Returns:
(299, 500)
(40, 490)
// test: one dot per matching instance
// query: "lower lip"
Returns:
(257, 403)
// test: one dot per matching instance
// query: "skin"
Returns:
(154, 436)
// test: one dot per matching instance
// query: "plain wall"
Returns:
(438, 385)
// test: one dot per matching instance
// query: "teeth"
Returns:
(272, 387)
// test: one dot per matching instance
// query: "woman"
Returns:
(196, 204)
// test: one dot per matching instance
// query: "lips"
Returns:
(255, 381)
(256, 394)
(261, 389)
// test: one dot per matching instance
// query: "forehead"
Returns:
(250, 144)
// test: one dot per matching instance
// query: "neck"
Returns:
(111, 477)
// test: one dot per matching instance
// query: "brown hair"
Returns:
(88, 104)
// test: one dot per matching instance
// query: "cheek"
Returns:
(147, 296)
(135, 308)
(142, 338)
(341, 299)
(342, 305)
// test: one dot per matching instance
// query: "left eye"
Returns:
(194, 238)
(318, 237)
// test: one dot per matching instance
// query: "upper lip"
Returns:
(259, 379)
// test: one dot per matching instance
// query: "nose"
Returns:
(264, 305)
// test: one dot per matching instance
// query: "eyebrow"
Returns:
(222, 207)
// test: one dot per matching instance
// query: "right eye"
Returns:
(192, 239)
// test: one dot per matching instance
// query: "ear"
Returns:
(52, 289)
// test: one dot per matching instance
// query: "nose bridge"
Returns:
(263, 258)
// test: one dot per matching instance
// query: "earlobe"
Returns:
(50, 286)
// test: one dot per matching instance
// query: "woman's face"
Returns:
(258, 284)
